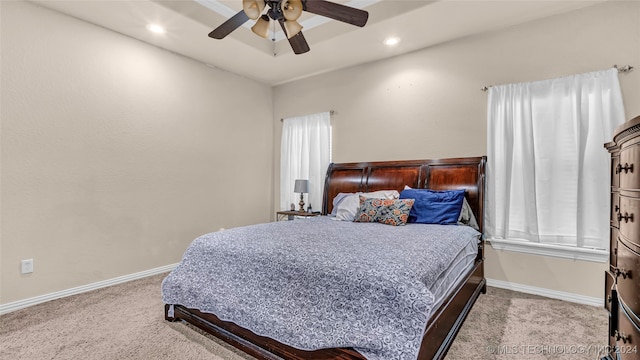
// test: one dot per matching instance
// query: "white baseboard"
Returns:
(554, 294)
(13, 306)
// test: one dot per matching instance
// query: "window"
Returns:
(305, 153)
(547, 171)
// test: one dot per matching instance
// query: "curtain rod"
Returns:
(331, 112)
(624, 69)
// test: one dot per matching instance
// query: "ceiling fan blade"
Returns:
(337, 11)
(228, 26)
(298, 42)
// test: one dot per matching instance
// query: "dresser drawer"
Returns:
(628, 336)
(615, 208)
(615, 176)
(628, 169)
(613, 246)
(627, 275)
(629, 220)
(609, 293)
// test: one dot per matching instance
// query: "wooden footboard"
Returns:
(258, 346)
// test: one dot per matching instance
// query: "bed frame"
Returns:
(442, 174)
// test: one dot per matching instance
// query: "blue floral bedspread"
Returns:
(320, 283)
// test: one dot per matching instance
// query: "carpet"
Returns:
(126, 321)
(509, 325)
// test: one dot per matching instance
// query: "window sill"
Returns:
(558, 251)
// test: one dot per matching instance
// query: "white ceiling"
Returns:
(334, 45)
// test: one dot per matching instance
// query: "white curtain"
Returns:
(548, 171)
(305, 153)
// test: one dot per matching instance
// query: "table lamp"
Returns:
(301, 186)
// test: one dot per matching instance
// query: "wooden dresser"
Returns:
(622, 280)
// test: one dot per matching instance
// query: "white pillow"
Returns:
(336, 202)
(467, 217)
(348, 207)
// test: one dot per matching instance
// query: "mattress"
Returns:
(455, 272)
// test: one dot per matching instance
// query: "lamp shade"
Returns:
(301, 186)
(253, 8)
(291, 9)
(261, 28)
(292, 27)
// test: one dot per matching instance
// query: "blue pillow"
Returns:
(434, 207)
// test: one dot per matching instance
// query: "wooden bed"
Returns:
(445, 322)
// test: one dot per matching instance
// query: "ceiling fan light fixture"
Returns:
(253, 8)
(291, 9)
(287, 13)
(292, 28)
(261, 28)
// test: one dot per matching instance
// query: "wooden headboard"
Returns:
(439, 174)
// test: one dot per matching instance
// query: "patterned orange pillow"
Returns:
(386, 211)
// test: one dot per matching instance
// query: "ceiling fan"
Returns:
(287, 12)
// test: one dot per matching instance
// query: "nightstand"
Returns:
(290, 215)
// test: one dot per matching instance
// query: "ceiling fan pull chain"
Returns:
(273, 38)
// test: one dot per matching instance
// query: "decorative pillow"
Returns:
(387, 211)
(434, 207)
(466, 213)
(348, 207)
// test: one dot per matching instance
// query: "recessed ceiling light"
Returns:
(154, 28)
(391, 41)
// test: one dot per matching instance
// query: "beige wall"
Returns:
(428, 104)
(116, 154)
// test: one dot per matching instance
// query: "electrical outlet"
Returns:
(27, 266)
